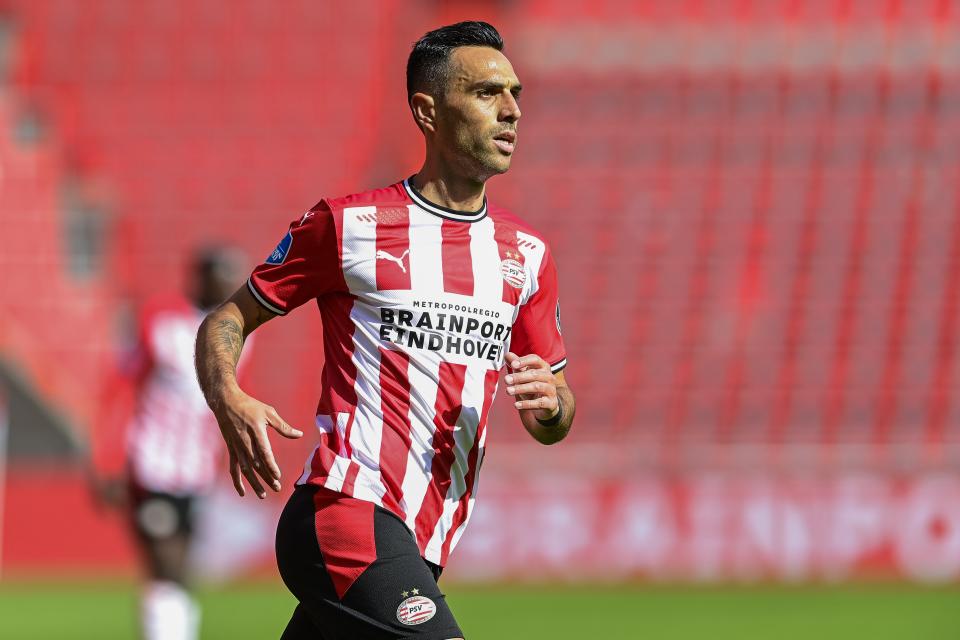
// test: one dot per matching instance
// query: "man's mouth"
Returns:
(506, 141)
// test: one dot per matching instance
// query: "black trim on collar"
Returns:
(444, 212)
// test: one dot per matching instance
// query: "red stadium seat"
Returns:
(748, 258)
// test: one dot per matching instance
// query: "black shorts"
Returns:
(157, 515)
(357, 572)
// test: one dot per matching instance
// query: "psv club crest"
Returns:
(416, 610)
(512, 270)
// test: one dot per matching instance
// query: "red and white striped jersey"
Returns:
(173, 443)
(419, 304)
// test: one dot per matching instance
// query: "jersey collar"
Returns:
(445, 212)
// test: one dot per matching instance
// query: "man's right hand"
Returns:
(243, 423)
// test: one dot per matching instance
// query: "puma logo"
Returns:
(384, 255)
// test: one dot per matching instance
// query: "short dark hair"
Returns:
(427, 64)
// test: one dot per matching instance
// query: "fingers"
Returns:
(545, 403)
(263, 460)
(532, 388)
(250, 461)
(280, 425)
(531, 361)
(533, 375)
(244, 429)
(235, 474)
(532, 383)
(246, 468)
(246, 464)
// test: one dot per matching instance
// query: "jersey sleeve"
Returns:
(537, 327)
(305, 265)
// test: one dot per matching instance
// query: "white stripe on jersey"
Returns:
(358, 238)
(463, 437)
(343, 420)
(359, 247)
(426, 276)
(369, 486)
(426, 256)
(339, 470)
(423, 403)
(470, 501)
(533, 250)
(473, 490)
(337, 473)
(367, 430)
(486, 260)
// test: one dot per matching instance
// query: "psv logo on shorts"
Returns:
(416, 610)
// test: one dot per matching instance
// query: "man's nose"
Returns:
(510, 111)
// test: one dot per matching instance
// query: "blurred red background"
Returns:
(754, 207)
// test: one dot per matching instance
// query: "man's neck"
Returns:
(454, 192)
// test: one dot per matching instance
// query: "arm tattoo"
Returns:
(229, 337)
(219, 344)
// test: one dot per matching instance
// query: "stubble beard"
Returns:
(479, 161)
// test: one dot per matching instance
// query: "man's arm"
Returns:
(243, 420)
(543, 398)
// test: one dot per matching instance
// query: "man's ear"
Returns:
(424, 112)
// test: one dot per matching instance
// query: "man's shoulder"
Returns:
(510, 220)
(384, 196)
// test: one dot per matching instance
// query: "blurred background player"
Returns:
(170, 446)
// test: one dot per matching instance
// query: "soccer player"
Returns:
(165, 461)
(426, 290)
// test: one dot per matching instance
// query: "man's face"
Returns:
(477, 117)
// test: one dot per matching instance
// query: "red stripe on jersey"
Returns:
(457, 263)
(339, 371)
(489, 389)
(395, 441)
(393, 248)
(353, 469)
(350, 479)
(345, 557)
(506, 237)
(345, 445)
(446, 413)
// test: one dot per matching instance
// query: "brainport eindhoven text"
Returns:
(435, 331)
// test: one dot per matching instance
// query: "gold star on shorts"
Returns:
(404, 594)
(415, 592)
